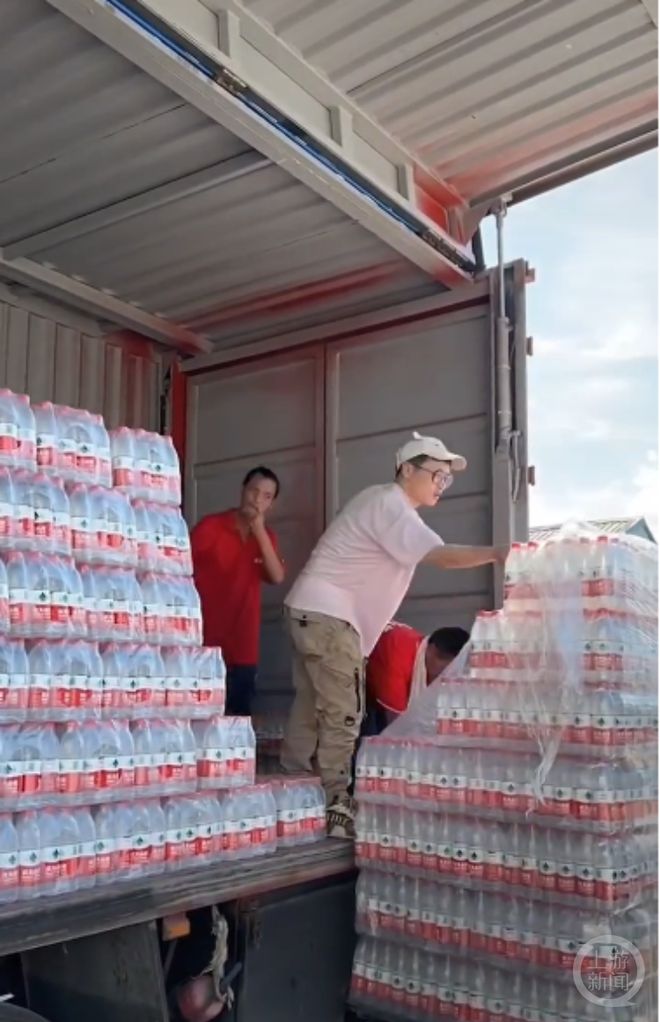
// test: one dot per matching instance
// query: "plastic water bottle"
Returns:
(209, 680)
(23, 524)
(116, 530)
(146, 675)
(11, 777)
(141, 841)
(17, 431)
(41, 672)
(213, 759)
(52, 515)
(85, 433)
(120, 609)
(71, 762)
(172, 547)
(156, 614)
(180, 834)
(171, 470)
(146, 534)
(205, 810)
(61, 702)
(108, 853)
(124, 472)
(179, 680)
(9, 860)
(58, 840)
(157, 836)
(101, 440)
(189, 610)
(14, 681)
(123, 825)
(30, 859)
(147, 771)
(157, 468)
(86, 853)
(181, 761)
(84, 534)
(46, 439)
(288, 813)
(7, 509)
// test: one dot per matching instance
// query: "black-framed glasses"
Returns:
(440, 478)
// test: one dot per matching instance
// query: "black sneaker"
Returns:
(340, 818)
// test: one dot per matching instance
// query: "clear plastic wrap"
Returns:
(103, 528)
(45, 597)
(82, 450)
(226, 752)
(113, 604)
(99, 775)
(507, 821)
(194, 681)
(300, 803)
(163, 541)
(172, 610)
(145, 466)
(61, 849)
(17, 431)
(52, 513)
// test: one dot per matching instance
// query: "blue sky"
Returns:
(593, 381)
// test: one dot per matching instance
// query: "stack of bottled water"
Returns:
(115, 758)
(300, 803)
(507, 823)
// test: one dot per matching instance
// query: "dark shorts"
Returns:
(241, 680)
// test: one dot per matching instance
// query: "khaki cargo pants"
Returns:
(328, 677)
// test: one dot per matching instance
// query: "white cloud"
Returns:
(597, 389)
(617, 498)
(627, 342)
(593, 314)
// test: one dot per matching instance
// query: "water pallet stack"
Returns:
(507, 824)
(116, 759)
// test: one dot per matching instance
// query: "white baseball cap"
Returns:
(431, 447)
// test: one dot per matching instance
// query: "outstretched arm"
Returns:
(466, 556)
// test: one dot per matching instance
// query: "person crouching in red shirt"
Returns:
(402, 663)
(233, 553)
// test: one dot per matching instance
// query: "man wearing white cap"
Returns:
(350, 588)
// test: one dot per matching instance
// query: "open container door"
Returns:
(326, 408)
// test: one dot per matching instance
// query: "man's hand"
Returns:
(255, 519)
(273, 567)
(258, 525)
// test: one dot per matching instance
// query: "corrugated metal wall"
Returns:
(328, 418)
(266, 412)
(53, 354)
(434, 376)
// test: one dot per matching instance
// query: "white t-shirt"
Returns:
(364, 562)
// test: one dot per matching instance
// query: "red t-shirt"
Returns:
(228, 573)
(390, 667)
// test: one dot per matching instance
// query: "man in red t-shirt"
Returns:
(398, 661)
(233, 553)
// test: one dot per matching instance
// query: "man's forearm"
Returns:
(465, 556)
(273, 566)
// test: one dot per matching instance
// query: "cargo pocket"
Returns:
(357, 675)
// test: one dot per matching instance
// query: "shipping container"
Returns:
(256, 226)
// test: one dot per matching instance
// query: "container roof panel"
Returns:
(489, 94)
(114, 181)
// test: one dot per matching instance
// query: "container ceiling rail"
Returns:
(209, 173)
